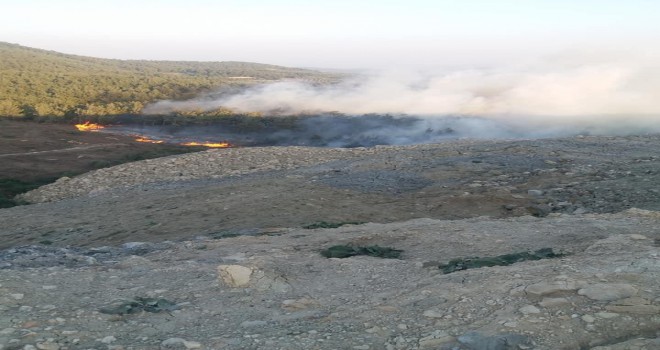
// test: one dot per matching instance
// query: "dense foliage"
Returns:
(37, 83)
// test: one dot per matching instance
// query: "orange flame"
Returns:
(208, 144)
(87, 126)
(147, 140)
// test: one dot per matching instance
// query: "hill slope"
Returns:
(36, 82)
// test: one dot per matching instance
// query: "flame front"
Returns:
(208, 144)
(87, 126)
(147, 140)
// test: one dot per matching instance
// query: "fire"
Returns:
(147, 140)
(208, 144)
(87, 126)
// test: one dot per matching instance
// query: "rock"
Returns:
(608, 291)
(134, 261)
(435, 339)
(109, 339)
(539, 210)
(606, 315)
(535, 193)
(298, 304)
(588, 318)
(257, 323)
(637, 237)
(132, 245)
(433, 343)
(554, 302)
(545, 288)
(529, 309)
(580, 211)
(269, 281)
(235, 275)
(179, 343)
(192, 344)
(17, 296)
(48, 346)
(433, 313)
(7, 331)
(29, 347)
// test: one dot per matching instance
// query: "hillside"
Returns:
(36, 82)
(224, 249)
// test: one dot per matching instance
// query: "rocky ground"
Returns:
(209, 250)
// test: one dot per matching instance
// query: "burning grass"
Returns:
(148, 140)
(89, 126)
(208, 144)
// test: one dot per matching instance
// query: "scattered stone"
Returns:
(608, 291)
(637, 237)
(17, 296)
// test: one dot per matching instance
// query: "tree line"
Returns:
(39, 83)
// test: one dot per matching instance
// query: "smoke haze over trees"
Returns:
(37, 83)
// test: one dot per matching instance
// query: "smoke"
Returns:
(541, 100)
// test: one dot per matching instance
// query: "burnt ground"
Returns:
(33, 154)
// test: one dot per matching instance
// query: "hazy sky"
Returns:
(337, 33)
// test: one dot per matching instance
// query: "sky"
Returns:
(338, 34)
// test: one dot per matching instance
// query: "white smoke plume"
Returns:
(611, 98)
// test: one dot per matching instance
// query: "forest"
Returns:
(36, 83)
